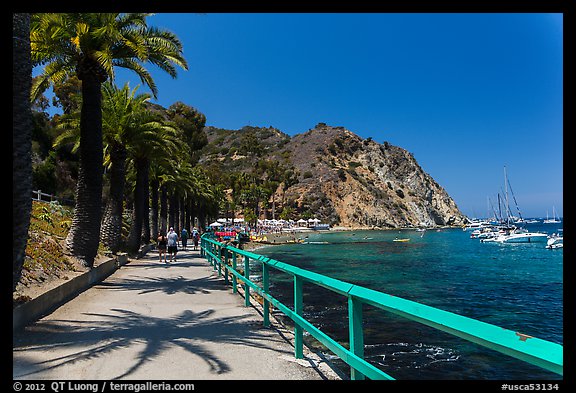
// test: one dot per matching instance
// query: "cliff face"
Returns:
(345, 180)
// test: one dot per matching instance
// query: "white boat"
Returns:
(476, 224)
(554, 219)
(488, 235)
(555, 241)
(487, 232)
(519, 235)
(495, 234)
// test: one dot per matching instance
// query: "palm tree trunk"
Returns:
(146, 205)
(154, 185)
(187, 221)
(111, 231)
(163, 210)
(182, 223)
(21, 141)
(139, 205)
(84, 235)
(201, 214)
(173, 211)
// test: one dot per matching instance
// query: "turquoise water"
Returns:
(515, 286)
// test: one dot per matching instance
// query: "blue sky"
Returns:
(467, 94)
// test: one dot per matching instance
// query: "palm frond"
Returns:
(144, 75)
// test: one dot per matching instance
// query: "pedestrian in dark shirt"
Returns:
(184, 238)
(162, 243)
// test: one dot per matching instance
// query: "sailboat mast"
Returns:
(500, 210)
(506, 195)
(515, 201)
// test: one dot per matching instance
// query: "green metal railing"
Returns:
(542, 353)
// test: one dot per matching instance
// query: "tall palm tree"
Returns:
(156, 139)
(90, 45)
(21, 141)
(122, 123)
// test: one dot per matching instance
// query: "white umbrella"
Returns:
(216, 224)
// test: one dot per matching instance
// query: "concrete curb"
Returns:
(49, 301)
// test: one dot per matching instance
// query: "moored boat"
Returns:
(555, 241)
(520, 235)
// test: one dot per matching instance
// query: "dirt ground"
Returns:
(38, 281)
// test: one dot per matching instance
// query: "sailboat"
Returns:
(554, 219)
(514, 234)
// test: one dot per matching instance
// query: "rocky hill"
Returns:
(342, 179)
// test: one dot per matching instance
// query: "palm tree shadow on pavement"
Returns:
(74, 341)
(169, 286)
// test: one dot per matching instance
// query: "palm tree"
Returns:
(156, 140)
(122, 123)
(209, 197)
(21, 141)
(90, 45)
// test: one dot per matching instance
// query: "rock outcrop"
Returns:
(343, 179)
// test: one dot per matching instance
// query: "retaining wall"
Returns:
(49, 301)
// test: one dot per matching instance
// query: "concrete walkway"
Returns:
(152, 321)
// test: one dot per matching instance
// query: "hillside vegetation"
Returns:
(47, 264)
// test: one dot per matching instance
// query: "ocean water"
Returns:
(515, 286)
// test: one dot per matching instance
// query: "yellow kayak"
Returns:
(401, 240)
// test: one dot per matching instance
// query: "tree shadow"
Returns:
(168, 286)
(108, 333)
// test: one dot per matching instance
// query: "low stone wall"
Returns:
(49, 301)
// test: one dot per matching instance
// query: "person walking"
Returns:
(195, 237)
(184, 238)
(162, 243)
(172, 244)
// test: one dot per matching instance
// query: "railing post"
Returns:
(215, 258)
(202, 244)
(356, 333)
(219, 260)
(247, 276)
(225, 261)
(298, 331)
(234, 279)
(209, 249)
(266, 302)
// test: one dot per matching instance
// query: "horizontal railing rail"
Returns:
(38, 195)
(221, 256)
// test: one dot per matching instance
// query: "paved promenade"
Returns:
(152, 321)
